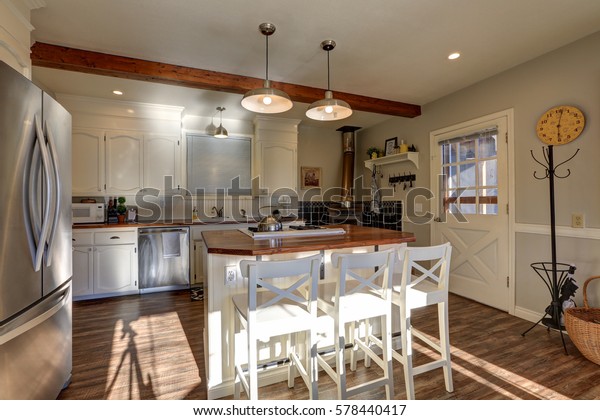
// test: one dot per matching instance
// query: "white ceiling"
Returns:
(388, 49)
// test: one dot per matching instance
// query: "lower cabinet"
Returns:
(104, 263)
(115, 269)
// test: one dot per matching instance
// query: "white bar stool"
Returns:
(277, 303)
(355, 297)
(416, 287)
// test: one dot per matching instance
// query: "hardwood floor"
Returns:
(150, 347)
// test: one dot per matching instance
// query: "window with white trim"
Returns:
(470, 165)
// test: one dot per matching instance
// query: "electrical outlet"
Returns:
(230, 274)
(577, 220)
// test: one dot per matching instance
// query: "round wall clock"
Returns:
(560, 125)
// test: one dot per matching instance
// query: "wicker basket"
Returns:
(583, 326)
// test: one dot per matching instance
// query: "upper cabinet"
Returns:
(124, 162)
(122, 148)
(88, 161)
(276, 155)
(15, 34)
(162, 162)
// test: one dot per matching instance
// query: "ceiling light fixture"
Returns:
(328, 109)
(267, 100)
(220, 132)
(454, 56)
(117, 92)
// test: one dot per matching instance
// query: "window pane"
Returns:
(449, 153)
(451, 179)
(489, 209)
(466, 150)
(467, 175)
(487, 173)
(487, 146)
(467, 208)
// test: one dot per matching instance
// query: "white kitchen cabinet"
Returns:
(88, 161)
(276, 155)
(123, 147)
(15, 39)
(104, 262)
(162, 159)
(115, 269)
(83, 270)
(124, 162)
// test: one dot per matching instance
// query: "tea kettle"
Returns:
(271, 223)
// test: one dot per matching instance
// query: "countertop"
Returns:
(233, 242)
(207, 221)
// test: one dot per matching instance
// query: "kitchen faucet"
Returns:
(218, 211)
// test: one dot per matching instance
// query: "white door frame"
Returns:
(509, 115)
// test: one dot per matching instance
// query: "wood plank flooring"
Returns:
(150, 347)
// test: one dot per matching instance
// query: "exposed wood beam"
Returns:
(65, 58)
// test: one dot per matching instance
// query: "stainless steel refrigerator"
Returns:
(35, 241)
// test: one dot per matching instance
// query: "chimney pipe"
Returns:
(348, 148)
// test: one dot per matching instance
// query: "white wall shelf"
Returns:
(397, 158)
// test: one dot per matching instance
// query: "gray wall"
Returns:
(569, 76)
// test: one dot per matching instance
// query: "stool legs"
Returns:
(445, 344)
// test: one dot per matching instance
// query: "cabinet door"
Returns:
(87, 161)
(115, 268)
(83, 271)
(124, 170)
(162, 162)
(279, 165)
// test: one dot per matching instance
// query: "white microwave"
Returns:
(88, 212)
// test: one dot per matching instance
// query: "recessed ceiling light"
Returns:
(454, 56)
(117, 92)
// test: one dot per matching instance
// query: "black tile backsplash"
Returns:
(390, 216)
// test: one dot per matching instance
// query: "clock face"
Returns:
(560, 125)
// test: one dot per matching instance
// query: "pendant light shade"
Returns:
(267, 100)
(328, 109)
(220, 132)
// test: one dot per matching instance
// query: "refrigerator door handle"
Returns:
(34, 317)
(55, 193)
(45, 230)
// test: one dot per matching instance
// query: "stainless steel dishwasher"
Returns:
(164, 259)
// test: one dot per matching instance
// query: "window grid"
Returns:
(469, 165)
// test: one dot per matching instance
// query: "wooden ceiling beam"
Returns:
(65, 58)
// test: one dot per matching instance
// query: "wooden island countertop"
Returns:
(234, 242)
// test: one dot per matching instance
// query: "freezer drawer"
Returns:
(36, 349)
(163, 260)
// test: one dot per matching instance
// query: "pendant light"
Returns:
(328, 109)
(267, 100)
(220, 132)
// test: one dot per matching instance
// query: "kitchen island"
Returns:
(224, 249)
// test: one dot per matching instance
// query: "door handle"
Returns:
(45, 229)
(55, 193)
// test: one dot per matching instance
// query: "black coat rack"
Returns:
(558, 277)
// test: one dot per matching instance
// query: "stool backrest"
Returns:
(426, 263)
(294, 280)
(379, 266)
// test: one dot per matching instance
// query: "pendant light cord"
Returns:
(328, 71)
(267, 57)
